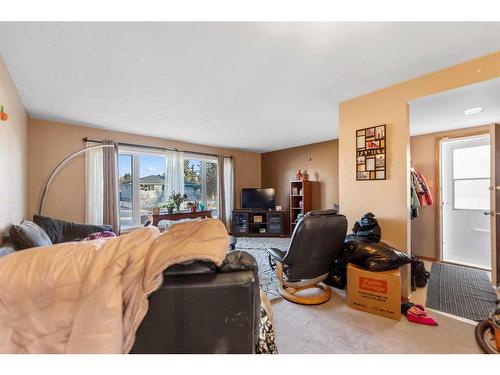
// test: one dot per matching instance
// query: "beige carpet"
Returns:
(335, 328)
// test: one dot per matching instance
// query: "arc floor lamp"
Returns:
(62, 164)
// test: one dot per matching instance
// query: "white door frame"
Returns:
(493, 130)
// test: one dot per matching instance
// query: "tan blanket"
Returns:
(90, 297)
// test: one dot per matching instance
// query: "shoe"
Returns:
(417, 314)
(405, 306)
(421, 319)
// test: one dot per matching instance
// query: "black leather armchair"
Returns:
(317, 241)
(201, 308)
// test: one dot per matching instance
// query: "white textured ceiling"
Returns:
(253, 86)
(445, 111)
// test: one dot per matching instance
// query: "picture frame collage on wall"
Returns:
(371, 158)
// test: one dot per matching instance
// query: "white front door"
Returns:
(465, 201)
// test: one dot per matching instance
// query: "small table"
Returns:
(155, 219)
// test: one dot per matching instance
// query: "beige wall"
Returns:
(13, 154)
(424, 158)
(50, 142)
(389, 199)
(321, 160)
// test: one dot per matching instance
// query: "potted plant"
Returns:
(177, 198)
(170, 205)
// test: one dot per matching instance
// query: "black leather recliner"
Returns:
(316, 242)
(201, 308)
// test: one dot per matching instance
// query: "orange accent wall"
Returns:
(389, 199)
(321, 160)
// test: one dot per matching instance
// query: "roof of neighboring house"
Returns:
(154, 179)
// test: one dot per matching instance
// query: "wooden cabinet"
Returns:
(257, 223)
(301, 200)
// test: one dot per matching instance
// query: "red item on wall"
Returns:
(3, 115)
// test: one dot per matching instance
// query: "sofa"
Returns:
(45, 231)
(200, 308)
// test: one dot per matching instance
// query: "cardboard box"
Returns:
(374, 292)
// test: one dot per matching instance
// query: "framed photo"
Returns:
(371, 160)
(363, 175)
(380, 132)
(361, 142)
(257, 219)
(380, 161)
(372, 145)
(370, 164)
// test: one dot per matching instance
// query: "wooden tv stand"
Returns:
(259, 223)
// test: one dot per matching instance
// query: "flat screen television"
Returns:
(258, 198)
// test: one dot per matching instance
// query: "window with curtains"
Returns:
(144, 182)
(201, 181)
(142, 185)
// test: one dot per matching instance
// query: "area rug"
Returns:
(461, 291)
(256, 246)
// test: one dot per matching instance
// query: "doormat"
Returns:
(461, 291)
(257, 248)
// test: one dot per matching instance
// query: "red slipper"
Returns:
(421, 319)
(421, 307)
(417, 310)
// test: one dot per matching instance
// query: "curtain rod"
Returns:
(85, 139)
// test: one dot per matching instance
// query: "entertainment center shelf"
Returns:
(265, 223)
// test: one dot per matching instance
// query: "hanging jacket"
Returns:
(423, 191)
(420, 193)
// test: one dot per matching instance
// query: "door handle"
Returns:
(490, 213)
(479, 230)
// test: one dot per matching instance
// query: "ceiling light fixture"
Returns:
(473, 111)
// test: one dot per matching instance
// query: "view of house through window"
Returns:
(200, 182)
(142, 184)
(125, 189)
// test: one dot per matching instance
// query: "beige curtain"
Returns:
(220, 184)
(93, 185)
(110, 186)
(226, 189)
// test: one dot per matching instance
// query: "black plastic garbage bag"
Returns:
(374, 256)
(367, 227)
(419, 275)
(338, 274)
